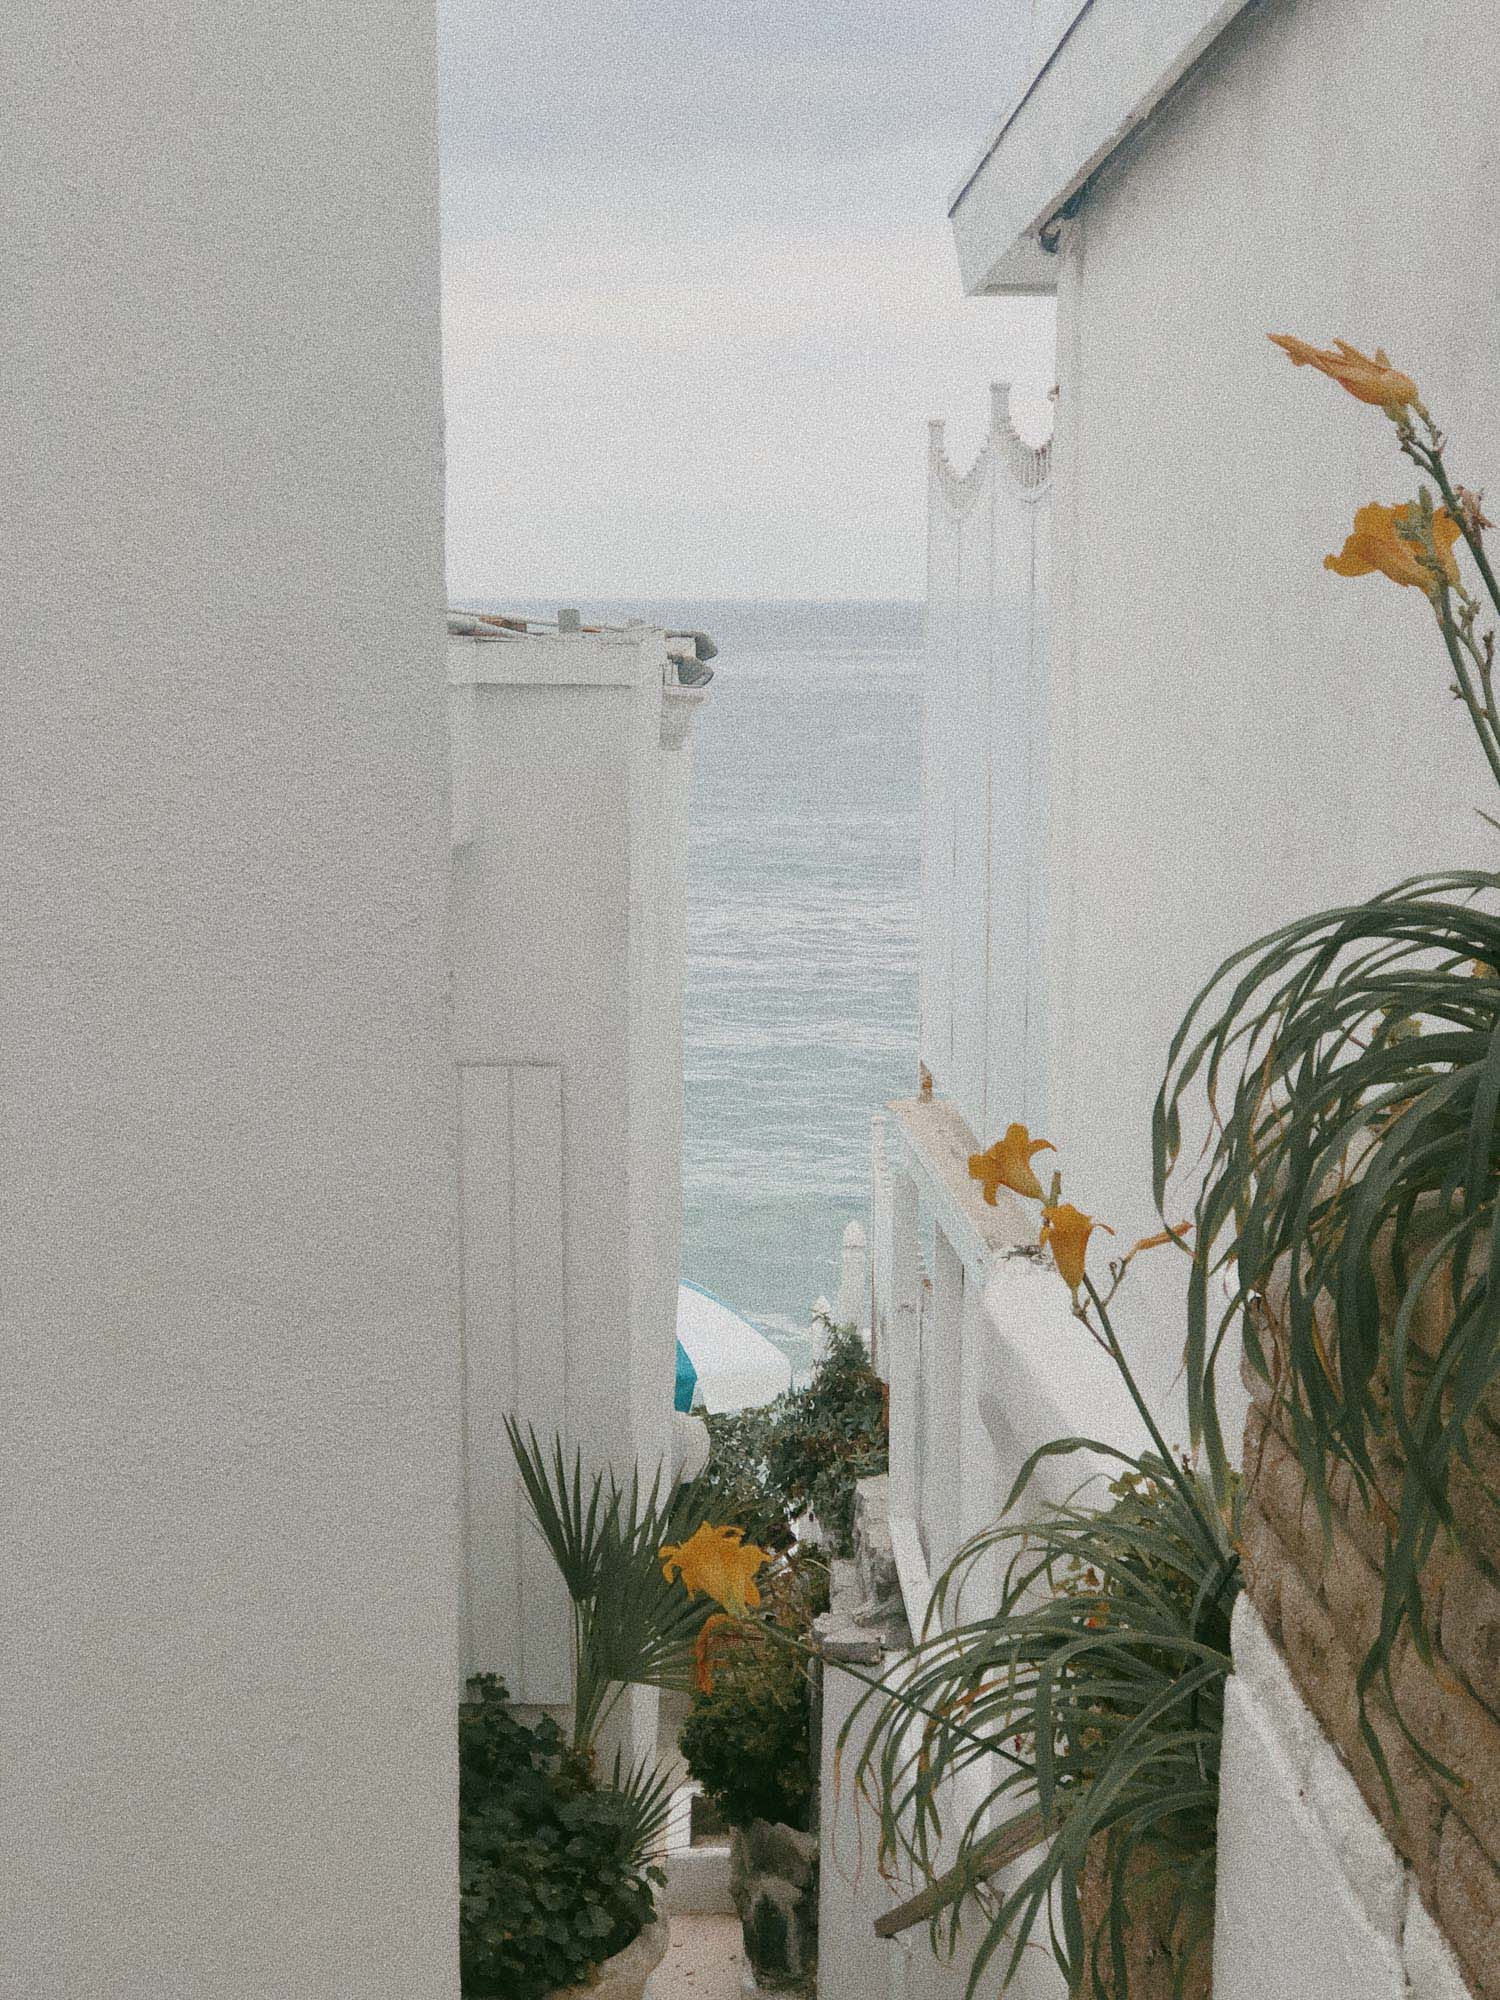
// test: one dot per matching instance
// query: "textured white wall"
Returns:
(230, 1461)
(856, 1887)
(1238, 736)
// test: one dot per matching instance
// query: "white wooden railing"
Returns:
(983, 774)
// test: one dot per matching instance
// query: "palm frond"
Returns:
(631, 1625)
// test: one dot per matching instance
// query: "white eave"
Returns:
(1113, 66)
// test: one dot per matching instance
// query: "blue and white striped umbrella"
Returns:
(723, 1362)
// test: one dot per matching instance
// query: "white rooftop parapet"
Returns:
(1112, 63)
(853, 1308)
(983, 1005)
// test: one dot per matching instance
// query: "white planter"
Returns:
(624, 1976)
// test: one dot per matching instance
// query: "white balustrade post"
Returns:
(905, 1335)
(854, 1278)
(880, 1249)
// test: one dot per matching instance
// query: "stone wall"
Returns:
(1319, 1598)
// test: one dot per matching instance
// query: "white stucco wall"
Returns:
(1313, 1898)
(226, 1238)
(856, 1887)
(1236, 735)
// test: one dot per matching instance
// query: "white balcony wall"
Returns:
(229, 1471)
(985, 1360)
(983, 793)
(571, 762)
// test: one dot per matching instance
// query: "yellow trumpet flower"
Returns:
(1370, 377)
(1378, 545)
(720, 1562)
(1008, 1164)
(1065, 1232)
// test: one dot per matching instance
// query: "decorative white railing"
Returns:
(975, 1335)
(936, 1245)
(983, 774)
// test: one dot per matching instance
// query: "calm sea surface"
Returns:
(801, 998)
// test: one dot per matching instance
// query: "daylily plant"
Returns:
(1361, 1145)
(1065, 1230)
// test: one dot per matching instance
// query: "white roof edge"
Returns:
(1111, 68)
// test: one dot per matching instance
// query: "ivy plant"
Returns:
(552, 1869)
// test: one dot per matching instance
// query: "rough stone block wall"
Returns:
(1319, 1597)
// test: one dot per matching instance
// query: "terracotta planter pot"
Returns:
(624, 1976)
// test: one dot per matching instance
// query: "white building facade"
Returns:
(229, 1299)
(1232, 737)
(342, 1095)
(571, 758)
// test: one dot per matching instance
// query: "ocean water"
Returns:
(800, 1010)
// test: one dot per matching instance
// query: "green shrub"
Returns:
(748, 1740)
(735, 1484)
(551, 1877)
(804, 1453)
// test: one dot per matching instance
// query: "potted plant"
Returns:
(748, 1742)
(557, 1869)
(555, 1875)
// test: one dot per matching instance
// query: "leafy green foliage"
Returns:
(1087, 1709)
(1364, 1060)
(748, 1738)
(553, 1874)
(736, 1481)
(804, 1453)
(631, 1623)
(747, 1741)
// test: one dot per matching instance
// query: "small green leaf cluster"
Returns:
(551, 1878)
(633, 1624)
(804, 1453)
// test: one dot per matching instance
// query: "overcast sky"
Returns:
(700, 292)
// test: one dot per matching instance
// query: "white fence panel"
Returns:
(512, 1195)
(983, 781)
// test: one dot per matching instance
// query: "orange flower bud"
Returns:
(1370, 378)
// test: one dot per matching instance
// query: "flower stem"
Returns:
(1442, 605)
(1430, 458)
